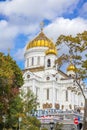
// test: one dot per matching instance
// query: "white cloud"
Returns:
(65, 27)
(37, 9)
(7, 34)
(24, 17)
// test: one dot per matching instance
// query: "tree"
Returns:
(14, 112)
(29, 105)
(76, 47)
(15, 104)
(12, 105)
(58, 126)
(30, 101)
(10, 81)
(77, 52)
(21, 108)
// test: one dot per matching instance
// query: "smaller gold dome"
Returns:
(51, 51)
(71, 67)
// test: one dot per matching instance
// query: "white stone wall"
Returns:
(37, 54)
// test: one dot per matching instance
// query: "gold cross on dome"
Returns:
(41, 26)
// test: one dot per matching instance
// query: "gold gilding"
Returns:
(38, 43)
(71, 67)
(51, 51)
(42, 41)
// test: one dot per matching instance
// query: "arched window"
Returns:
(48, 63)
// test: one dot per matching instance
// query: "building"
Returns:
(54, 88)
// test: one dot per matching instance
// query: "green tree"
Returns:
(15, 104)
(30, 101)
(77, 47)
(21, 108)
(58, 126)
(77, 52)
(14, 112)
(10, 82)
(29, 104)
(30, 123)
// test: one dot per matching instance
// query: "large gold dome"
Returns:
(40, 41)
(71, 67)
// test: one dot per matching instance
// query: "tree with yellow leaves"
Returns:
(77, 54)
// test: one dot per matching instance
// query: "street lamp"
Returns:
(51, 125)
(19, 120)
(4, 119)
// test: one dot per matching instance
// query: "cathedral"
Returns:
(54, 88)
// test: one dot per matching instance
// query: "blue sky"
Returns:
(20, 22)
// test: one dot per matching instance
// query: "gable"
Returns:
(61, 75)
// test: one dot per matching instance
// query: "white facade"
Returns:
(53, 88)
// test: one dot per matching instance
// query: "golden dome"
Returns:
(40, 41)
(71, 67)
(51, 51)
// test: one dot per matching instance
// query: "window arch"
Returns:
(48, 63)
